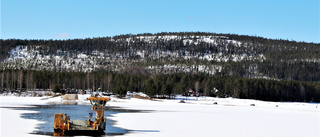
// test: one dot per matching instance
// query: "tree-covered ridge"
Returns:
(171, 53)
(121, 43)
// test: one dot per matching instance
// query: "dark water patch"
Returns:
(143, 130)
(45, 113)
(42, 133)
(122, 110)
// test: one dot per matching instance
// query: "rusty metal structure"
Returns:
(64, 126)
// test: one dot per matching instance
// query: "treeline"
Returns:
(261, 89)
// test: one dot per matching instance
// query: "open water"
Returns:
(46, 115)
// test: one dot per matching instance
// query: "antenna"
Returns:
(60, 102)
(61, 98)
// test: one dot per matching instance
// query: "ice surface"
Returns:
(228, 117)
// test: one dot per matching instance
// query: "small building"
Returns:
(191, 92)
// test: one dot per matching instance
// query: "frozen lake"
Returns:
(202, 117)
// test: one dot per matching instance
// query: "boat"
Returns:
(64, 126)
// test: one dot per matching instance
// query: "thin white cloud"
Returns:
(62, 35)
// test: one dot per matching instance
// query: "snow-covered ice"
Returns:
(229, 117)
(233, 117)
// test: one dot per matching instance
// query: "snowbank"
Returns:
(12, 125)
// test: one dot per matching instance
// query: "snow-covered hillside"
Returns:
(33, 58)
(38, 58)
(168, 53)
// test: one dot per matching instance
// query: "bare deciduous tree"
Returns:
(20, 79)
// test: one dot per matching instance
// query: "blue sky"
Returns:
(297, 20)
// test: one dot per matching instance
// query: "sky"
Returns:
(297, 20)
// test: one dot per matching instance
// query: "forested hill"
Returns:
(169, 53)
